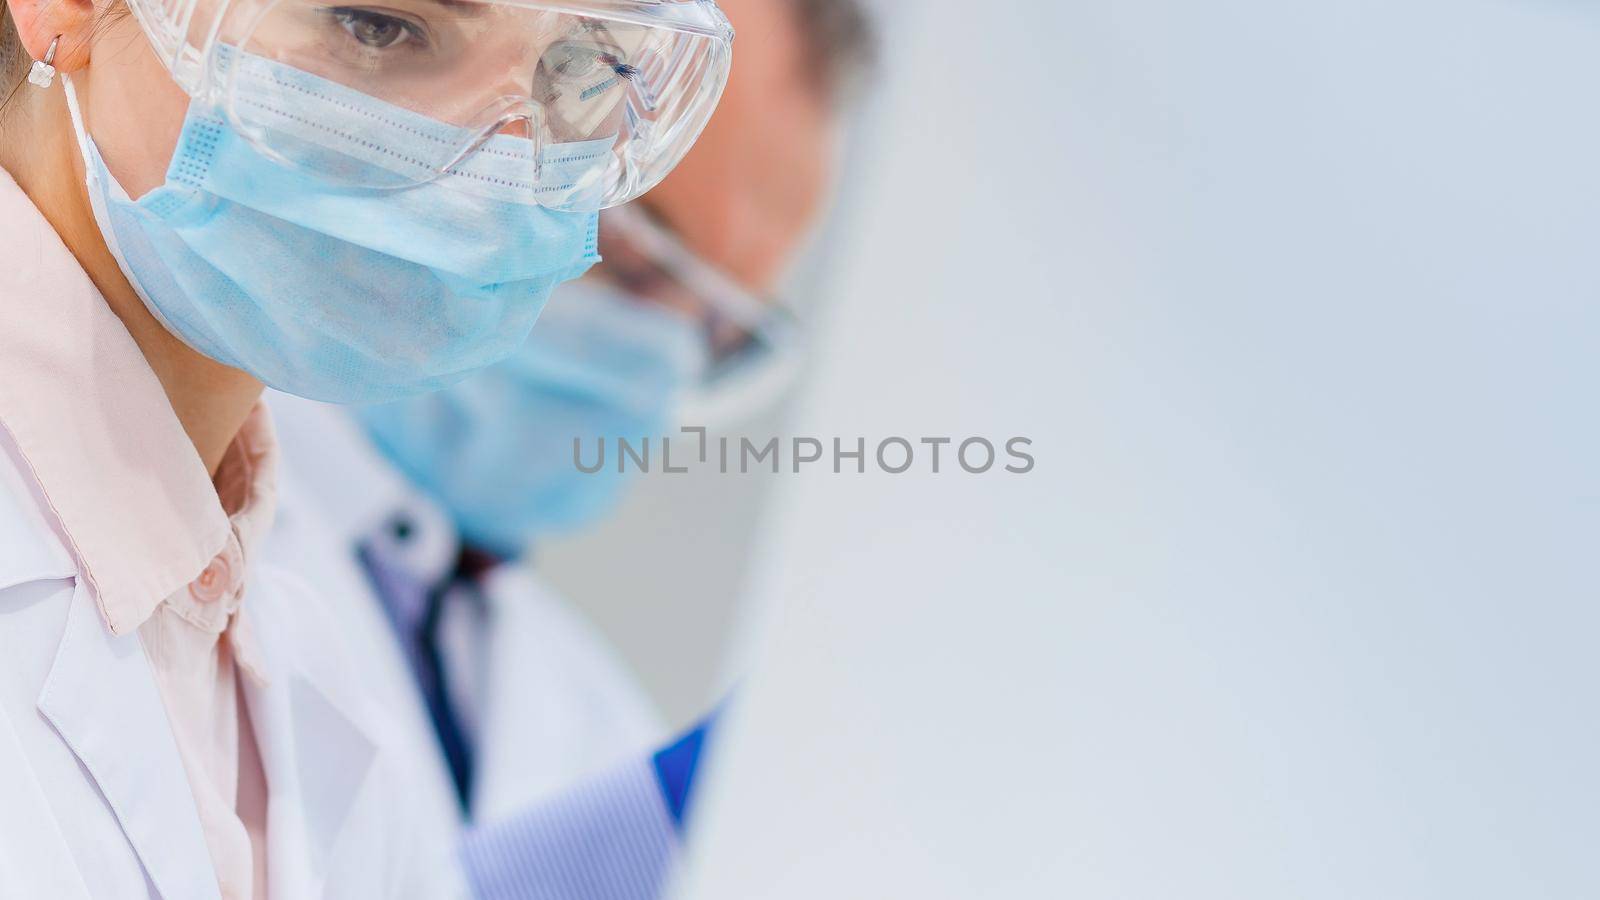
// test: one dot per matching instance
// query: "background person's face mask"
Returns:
(497, 449)
(339, 294)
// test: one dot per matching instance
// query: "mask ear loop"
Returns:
(78, 128)
(43, 73)
(100, 182)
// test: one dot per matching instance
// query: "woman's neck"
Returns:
(211, 400)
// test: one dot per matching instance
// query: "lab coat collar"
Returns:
(332, 467)
(101, 697)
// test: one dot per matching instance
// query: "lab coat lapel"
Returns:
(34, 858)
(520, 756)
(315, 759)
(101, 697)
(559, 709)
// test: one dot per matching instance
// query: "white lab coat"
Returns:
(550, 701)
(94, 800)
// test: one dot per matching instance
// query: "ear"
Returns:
(41, 21)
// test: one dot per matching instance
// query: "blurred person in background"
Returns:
(427, 509)
(675, 325)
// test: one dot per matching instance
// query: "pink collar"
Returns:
(128, 492)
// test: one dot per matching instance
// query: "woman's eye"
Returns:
(377, 30)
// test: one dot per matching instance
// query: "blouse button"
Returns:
(215, 582)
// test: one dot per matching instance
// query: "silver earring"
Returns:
(43, 73)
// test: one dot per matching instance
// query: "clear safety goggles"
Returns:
(578, 105)
(756, 345)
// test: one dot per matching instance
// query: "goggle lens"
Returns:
(576, 111)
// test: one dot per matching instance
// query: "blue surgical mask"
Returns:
(497, 449)
(339, 294)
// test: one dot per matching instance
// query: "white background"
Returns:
(1300, 303)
